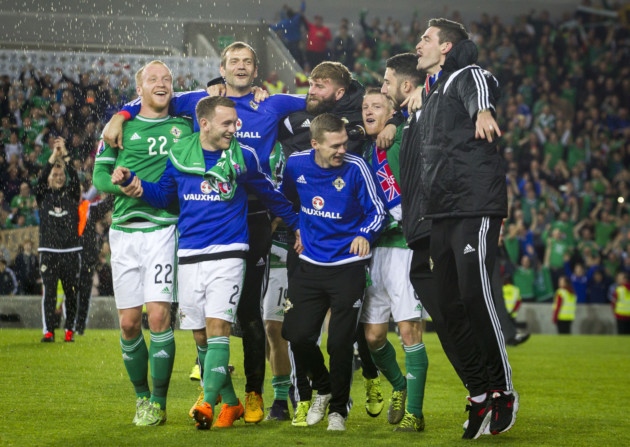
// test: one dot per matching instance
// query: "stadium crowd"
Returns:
(564, 114)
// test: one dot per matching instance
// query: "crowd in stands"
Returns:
(564, 114)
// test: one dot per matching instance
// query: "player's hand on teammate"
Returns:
(360, 246)
(413, 101)
(260, 94)
(112, 132)
(385, 138)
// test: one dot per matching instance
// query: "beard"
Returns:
(321, 106)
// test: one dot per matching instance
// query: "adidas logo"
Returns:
(356, 304)
(468, 249)
(301, 179)
(260, 262)
(306, 123)
(418, 307)
(165, 290)
(126, 357)
(280, 313)
(219, 369)
(410, 376)
(161, 355)
(229, 312)
(135, 136)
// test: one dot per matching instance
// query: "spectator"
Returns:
(289, 28)
(564, 306)
(343, 47)
(24, 204)
(273, 84)
(317, 39)
(8, 282)
(26, 268)
(621, 303)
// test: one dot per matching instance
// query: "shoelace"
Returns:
(373, 392)
(408, 421)
(397, 400)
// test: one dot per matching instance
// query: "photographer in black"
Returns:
(58, 192)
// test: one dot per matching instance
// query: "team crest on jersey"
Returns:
(205, 187)
(239, 124)
(176, 132)
(224, 187)
(101, 148)
(339, 184)
(318, 202)
(253, 104)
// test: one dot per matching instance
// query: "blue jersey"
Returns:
(257, 124)
(337, 205)
(207, 224)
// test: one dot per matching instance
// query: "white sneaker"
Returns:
(336, 422)
(318, 410)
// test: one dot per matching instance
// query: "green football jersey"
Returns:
(146, 144)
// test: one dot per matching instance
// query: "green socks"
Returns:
(385, 360)
(416, 364)
(135, 357)
(217, 378)
(161, 359)
(281, 385)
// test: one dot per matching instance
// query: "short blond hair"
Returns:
(140, 72)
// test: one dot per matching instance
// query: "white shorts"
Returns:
(276, 295)
(391, 291)
(143, 266)
(209, 289)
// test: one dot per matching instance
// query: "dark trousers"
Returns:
(463, 252)
(313, 290)
(64, 267)
(623, 327)
(564, 327)
(249, 311)
(423, 282)
(86, 279)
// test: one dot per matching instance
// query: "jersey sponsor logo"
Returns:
(468, 249)
(202, 197)
(306, 123)
(280, 313)
(161, 355)
(320, 213)
(166, 290)
(317, 202)
(205, 187)
(339, 184)
(229, 312)
(135, 136)
(253, 104)
(301, 179)
(247, 135)
(418, 308)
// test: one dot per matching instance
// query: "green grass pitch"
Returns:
(573, 393)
